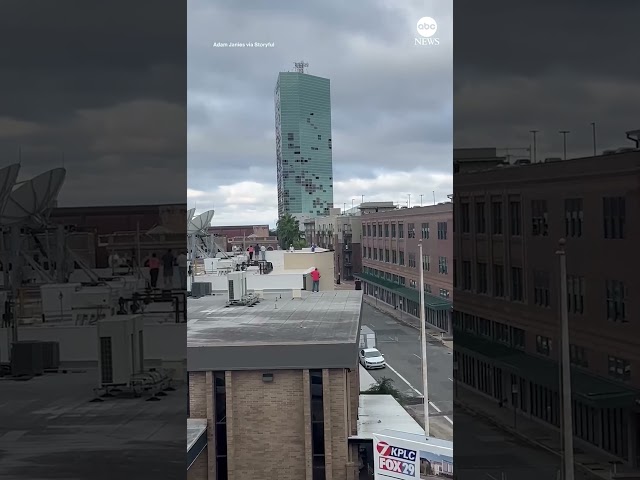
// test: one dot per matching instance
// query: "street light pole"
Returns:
(593, 129)
(564, 141)
(421, 195)
(423, 344)
(535, 152)
(409, 202)
(567, 424)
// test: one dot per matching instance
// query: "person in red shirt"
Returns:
(250, 252)
(154, 269)
(315, 276)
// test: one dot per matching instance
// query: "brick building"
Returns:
(508, 224)
(237, 231)
(278, 386)
(390, 254)
(107, 220)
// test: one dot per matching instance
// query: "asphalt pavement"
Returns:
(400, 345)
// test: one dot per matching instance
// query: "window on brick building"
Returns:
(220, 402)
(317, 424)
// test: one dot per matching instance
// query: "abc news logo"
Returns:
(427, 28)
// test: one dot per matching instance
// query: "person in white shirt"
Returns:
(291, 249)
(182, 267)
(263, 253)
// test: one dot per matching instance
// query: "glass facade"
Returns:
(303, 144)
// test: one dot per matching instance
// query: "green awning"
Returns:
(388, 284)
(590, 389)
(431, 301)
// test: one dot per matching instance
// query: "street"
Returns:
(401, 347)
(483, 452)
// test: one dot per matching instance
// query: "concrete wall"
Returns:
(166, 342)
(323, 261)
(272, 281)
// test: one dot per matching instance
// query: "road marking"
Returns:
(417, 391)
(404, 379)
(450, 379)
(419, 357)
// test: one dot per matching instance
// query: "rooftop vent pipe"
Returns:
(634, 136)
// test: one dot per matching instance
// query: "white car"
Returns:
(372, 358)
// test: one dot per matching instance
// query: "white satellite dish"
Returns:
(30, 202)
(8, 177)
(200, 223)
(190, 215)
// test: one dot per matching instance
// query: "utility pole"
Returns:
(593, 129)
(409, 202)
(421, 195)
(423, 344)
(565, 371)
(535, 153)
(564, 141)
(434, 197)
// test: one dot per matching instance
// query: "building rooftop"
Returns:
(319, 330)
(49, 424)
(196, 439)
(378, 413)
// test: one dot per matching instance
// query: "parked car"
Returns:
(372, 358)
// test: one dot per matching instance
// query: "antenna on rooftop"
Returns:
(300, 66)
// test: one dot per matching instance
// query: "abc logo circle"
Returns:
(427, 27)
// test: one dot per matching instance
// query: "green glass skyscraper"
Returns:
(303, 144)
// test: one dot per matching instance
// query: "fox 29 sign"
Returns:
(392, 461)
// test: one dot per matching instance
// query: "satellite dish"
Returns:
(190, 214)
(8, 177)
(31, 201)
(200, 223)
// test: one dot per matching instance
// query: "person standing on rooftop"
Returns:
(167, 272)
(315, 276)
(154, 269)
(182, 268)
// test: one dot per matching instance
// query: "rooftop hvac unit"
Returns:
(50, 355)
(27, 358)
(237, 285)
(200, 289)
(121, 349)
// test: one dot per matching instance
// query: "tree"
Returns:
(384, 386)
(288, 229)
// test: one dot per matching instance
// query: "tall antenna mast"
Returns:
(300, 66)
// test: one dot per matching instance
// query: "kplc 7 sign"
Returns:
(392, 461)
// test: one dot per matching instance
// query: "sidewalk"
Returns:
(597, 464)
(408, 320)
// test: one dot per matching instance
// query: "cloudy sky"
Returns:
(97, 87)
(546, 66)
(391, 100)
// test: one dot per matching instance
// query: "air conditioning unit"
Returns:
(121, 349)
(27, 358)
(200, 289)
(237, 285)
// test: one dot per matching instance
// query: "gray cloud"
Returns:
(391, 100)
(103, 86)
(546, 66)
